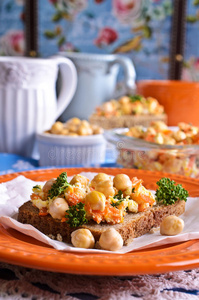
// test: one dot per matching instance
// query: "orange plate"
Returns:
(19, 249)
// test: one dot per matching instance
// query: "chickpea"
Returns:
(57, 127)
(85, 123)
(159, 139)
(111, 240)
(128, 191)
(107, 107)
(74, 121)
(171, 225)
(128, 133)
(137, 108)
(179, 135)
(168, 140)
(105, 187)
(137, 131)
(126, 108)
(97, 129)
(47, 186)
(152, 104)
(79, 179)
(193, 131)
(82, 238)
(89, 131)
(115, 104)
(99, 177)
(96, 200)
(159, 125)
(65, 131)
(57, 208)
(122, 182)
(84, 130)
(150, 131)
(72, 128)
(124, 100)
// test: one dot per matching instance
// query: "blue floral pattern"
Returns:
(139, 29)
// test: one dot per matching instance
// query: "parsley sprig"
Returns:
(59, 186)
(76, 215)
(168, 192)
(135, 98)
(37, 186)
(119, 197)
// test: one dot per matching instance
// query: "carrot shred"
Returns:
(43, 213)
(63, 219)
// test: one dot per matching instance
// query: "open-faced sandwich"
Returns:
(106, 212)
(128, 111)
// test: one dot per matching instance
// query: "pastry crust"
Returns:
(126, 120)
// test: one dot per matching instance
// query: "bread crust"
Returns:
(126, 120)
(134, 225)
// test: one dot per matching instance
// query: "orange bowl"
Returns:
(179, 98)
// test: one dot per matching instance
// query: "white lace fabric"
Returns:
(31, 284)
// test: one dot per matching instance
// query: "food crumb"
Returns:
(154, 230)
(59, 237)
(51, 236)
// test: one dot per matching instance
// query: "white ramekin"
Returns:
(60, 150)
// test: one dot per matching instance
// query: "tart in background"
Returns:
(128, 111)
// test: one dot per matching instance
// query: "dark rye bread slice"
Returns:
(125, 120)
(134, 225)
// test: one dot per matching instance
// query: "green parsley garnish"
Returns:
(119, 197)
(168, 192)
(135, 98)
(76, 215)
(117, 203)
(59, 186)
(37, 188)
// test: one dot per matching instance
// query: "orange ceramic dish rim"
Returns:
(165, 82)
(18, 249)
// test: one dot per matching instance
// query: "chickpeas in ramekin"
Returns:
(75, 127)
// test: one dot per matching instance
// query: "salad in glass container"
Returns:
(158, 148)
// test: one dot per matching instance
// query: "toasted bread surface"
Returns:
(134, 225)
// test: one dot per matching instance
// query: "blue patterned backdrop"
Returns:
(139, 29)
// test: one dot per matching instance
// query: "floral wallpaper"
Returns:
(11, 28)
(191, 57)
(139, 29)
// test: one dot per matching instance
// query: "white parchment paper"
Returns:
(17, 191)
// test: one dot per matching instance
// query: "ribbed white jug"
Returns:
(28, 101)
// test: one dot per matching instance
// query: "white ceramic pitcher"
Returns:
(28, 101)
(97, 79)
